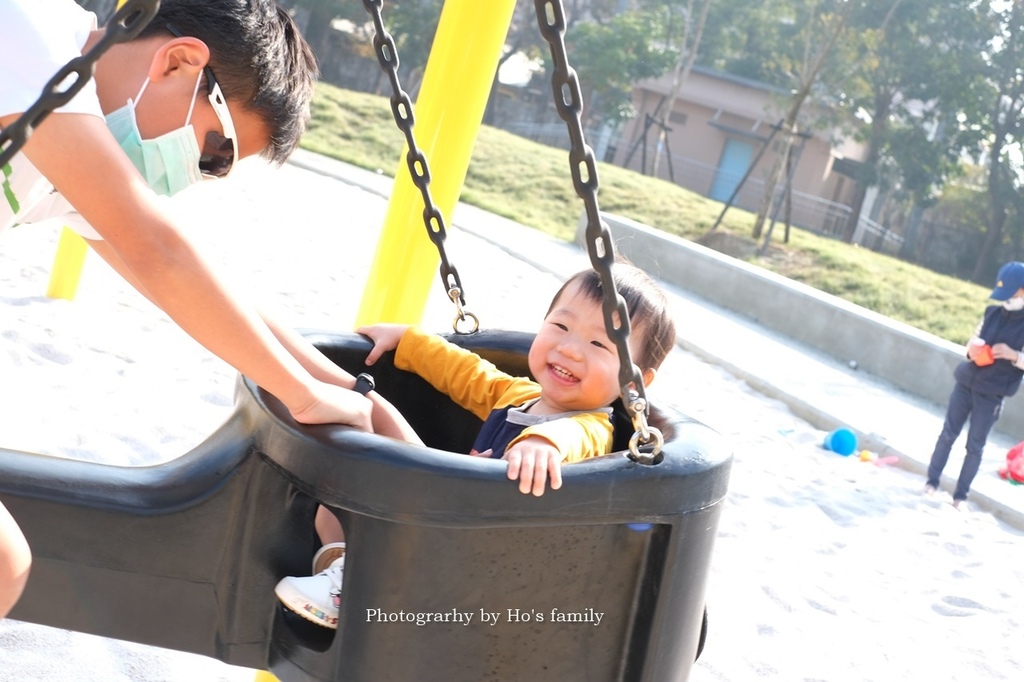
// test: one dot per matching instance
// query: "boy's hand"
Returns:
(532, 460)
(385, 337)
(336, 405)
(1001, 351)
(974, 346)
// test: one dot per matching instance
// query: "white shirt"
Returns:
(37, 38)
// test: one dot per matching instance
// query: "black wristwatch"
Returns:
(364, 384)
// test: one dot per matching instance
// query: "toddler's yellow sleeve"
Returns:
(472, 382)
(580, 437)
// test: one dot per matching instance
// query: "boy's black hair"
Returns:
(646, 305)
(258, 57)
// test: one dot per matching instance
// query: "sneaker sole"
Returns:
(325, 557)
(301, 606)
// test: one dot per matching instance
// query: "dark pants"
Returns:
(984, 411)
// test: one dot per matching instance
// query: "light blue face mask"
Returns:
(169, 163)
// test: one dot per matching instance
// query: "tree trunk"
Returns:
(681, 74)
(997, 219)
(1000, 184)
(868, 174)
(318, 27)
(768, 203)
(808, 78)
(908, 250)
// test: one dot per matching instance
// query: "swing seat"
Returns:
(451, 573)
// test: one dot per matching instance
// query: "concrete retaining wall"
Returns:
(917, 362)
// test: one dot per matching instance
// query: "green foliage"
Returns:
(910, 83)
(530, 183)
(412, 24)
(617, 54)
(756, 40)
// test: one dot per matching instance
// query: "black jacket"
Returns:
(1002, 378)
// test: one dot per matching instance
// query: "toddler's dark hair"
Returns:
(646, 305)
(258, 57)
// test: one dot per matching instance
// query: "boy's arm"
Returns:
(1002, 351)
(80, 158)
(387, 420)
(975, 341)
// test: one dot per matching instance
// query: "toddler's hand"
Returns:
(531, 461)
(385, 337)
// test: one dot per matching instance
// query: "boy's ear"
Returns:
(179, 56)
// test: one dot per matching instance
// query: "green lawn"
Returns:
(531, 184)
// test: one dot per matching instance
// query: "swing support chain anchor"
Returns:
(646, 443)
(461, 315)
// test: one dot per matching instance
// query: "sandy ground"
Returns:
(825, 568)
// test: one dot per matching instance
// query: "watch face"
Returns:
(364, 383)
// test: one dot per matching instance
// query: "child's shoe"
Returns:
(316, 598)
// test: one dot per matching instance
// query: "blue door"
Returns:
(735, 161)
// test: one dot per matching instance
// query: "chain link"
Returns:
(568, 100)
(133, 16)
(401, 107)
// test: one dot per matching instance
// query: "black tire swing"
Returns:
(604, 580)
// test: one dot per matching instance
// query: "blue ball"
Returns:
(842, 441)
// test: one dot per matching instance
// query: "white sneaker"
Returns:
(316, 598)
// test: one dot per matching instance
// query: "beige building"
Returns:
(718, 127)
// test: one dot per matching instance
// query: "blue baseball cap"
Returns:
(1010, 278)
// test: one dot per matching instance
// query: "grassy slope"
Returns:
(531, 184)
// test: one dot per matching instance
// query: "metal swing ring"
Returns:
(462, 315)
(654, 439)
(648, 437)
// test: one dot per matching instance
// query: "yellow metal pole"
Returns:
(457, 81)
(67, 265)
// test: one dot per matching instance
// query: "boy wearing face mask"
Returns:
(206, 83)
(992, 371)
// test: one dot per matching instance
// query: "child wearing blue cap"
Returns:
(992, 371)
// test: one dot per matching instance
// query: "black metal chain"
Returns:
(133, 16)
(401, 107)
(569, 101)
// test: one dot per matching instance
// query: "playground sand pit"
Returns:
(825, 567)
